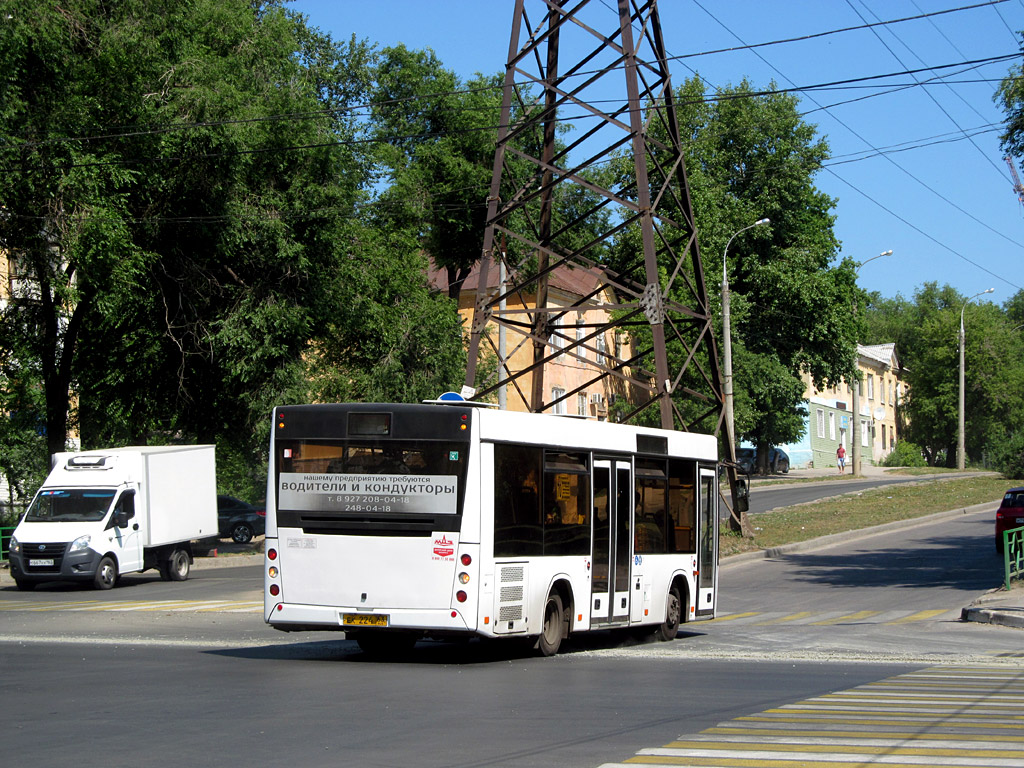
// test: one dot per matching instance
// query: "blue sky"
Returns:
(944, 204)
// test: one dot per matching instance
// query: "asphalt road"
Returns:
(766, 497)
(156, 671)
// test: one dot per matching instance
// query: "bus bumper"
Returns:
(289, 617)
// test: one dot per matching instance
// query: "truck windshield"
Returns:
(65, 505)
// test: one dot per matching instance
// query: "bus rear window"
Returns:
(372, 477)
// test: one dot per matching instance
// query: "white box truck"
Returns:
(121, 510)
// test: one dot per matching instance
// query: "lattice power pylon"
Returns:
(612, 101)
(589, 127)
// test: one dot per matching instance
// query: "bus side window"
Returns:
(650, 532)
(567, 503)
(682, 502)
(518, 529)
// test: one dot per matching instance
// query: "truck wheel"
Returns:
(178, 565)
(26, 585)
(670, 628)
(106, 573)
(554, 622)
(241, 533)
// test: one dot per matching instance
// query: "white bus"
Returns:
(395, 522)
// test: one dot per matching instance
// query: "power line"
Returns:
(928, 93)
(887, 158)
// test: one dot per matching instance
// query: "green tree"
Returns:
(435, 148)
(182, 191)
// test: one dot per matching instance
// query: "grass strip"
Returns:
(863, 509)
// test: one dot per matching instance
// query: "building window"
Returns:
(871, 387)
(821, 421)
(581, 404)
(554, 340)
(602, 349)
(864, 433)
(883, 437)
(881, 390)
(580, 333)
(831, 425)
(559, 406)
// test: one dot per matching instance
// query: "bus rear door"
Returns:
(613, 515)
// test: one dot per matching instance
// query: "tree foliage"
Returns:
(181, 196)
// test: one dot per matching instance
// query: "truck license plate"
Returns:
(364, 619)
(41, 561)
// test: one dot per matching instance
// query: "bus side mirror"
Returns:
(742, 499)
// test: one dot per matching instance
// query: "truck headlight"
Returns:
(82, 542)
(15, 546)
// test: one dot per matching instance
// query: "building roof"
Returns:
(882, 353)
(577, 281)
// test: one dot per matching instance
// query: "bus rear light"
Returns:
(271, 554)
(466, 559)
(464, 577)
(275, 590)
(272, 571)
(461, 596)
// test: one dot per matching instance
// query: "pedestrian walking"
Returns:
(841, 457)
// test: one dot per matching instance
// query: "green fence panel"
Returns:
(5, 541)
(1013, 554)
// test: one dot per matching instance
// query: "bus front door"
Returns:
(708, 553)
(613, 515)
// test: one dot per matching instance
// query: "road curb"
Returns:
(1005, 616)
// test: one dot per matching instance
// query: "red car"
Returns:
(1010, 514)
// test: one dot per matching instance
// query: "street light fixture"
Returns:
(855, 437)
(727, 342)
(960, 456)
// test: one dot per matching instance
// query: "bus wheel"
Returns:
(106, 573)
(670, 628)
(554, 622)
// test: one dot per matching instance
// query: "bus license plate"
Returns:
(37, 563)
(364, 619)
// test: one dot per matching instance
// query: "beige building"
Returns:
(568, 380)
(831, 412)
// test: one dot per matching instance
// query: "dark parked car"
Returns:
(1009, 515)
(778, 460)
(239, 521)
(747, 459)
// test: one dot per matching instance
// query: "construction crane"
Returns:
(1017, 186)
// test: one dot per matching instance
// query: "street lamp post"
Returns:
(727, 343)
(960, 456)
(855, 438)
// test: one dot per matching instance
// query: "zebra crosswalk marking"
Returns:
(907, 721)
(848, 617)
